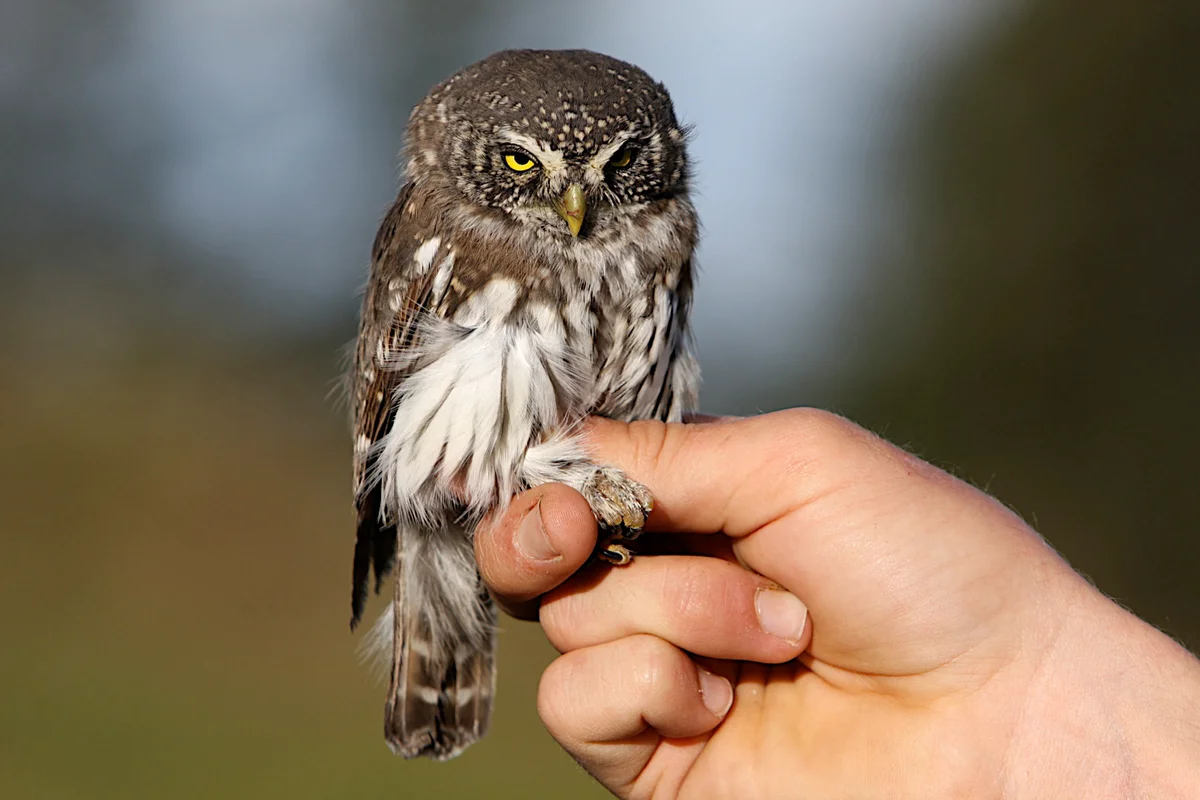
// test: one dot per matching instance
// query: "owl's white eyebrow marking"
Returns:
(551, 160)
(425, 253)
(597, 164)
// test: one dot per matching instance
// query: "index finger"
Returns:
(733, 475)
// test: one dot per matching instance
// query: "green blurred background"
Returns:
(1013, 293)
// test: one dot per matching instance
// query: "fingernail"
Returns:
(715, 692)
(780, 613)
(532, 540)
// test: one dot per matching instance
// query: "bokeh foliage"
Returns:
(1037, 328)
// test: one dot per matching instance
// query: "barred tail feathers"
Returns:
(440, 631)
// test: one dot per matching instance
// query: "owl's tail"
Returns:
(443, 670)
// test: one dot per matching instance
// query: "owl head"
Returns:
(564, 142)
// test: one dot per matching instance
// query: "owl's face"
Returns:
(564, 143)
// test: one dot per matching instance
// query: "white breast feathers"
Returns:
(484, 388)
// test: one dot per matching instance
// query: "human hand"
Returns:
(950, 652)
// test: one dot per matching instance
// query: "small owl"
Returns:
(535, 269)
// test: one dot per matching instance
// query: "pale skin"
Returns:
(946, 650)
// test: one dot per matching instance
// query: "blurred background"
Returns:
(972, 227)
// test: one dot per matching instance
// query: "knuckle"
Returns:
(656, 665)
(811, 441)
(817, 428)
(836, 433)
(558, 615)
(851, 454)
(555, 690)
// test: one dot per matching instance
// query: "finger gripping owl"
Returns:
(535, 269)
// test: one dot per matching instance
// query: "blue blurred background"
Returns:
(970, 226)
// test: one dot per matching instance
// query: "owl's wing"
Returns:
(398, 293)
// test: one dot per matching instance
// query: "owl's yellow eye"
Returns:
(621, 158)
(519, 162)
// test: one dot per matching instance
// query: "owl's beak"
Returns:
(572, 207)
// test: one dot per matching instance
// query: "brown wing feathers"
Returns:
(375, 386)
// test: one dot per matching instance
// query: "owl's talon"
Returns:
(616, 554)
(622, 507)
(627, 533)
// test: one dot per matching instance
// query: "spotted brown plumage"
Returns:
(534, 269)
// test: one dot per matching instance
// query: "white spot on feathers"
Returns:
(425, 253)
(441, 280)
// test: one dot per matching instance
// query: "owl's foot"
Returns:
(617, 500)
(621, 506)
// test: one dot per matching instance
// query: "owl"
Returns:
(536, 268)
